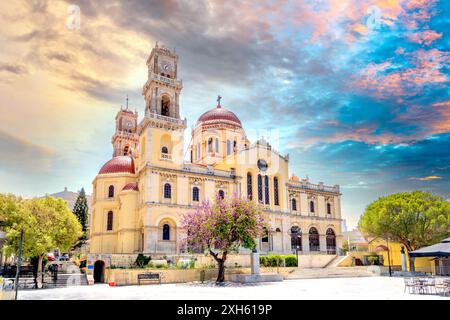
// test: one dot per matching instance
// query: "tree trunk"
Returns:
(411, 259)
(221, 265)
(221, 275)
(39, 283)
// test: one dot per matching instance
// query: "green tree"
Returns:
(81, 209)
(415, 219)
(224, 227)
(47, 224)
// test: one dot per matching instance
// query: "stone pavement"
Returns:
(380, 288)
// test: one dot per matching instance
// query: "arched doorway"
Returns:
(296, 238)
(314, 244)
(331, 241)
(99, 271)
(165, 106)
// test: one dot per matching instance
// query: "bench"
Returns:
(149, 277)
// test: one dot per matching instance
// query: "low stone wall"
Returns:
(129, 276)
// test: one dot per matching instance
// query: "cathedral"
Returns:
(140, 194)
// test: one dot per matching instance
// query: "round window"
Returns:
(262, 165)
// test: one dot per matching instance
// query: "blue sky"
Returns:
(357, 89)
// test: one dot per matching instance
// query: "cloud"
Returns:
(427, 178)
(16, 69)
(24, 156)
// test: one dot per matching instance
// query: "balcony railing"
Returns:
(311, 186)
(165, 118)
(166, 157)
(208, 170)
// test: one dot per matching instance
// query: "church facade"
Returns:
(140, 194)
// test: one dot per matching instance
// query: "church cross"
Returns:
(218, 100)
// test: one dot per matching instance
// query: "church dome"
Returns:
(131, 186)
(120, 164)
(220, 114)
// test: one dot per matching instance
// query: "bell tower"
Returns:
(161, 132)
(125, 139)
(162, 89)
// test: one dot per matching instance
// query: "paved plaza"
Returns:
(380, 288)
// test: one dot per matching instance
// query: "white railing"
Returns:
(210, 171)
(165, 118)
(312, 186)
(166, 79)
(166, 157)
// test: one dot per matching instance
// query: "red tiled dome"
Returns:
(120, 164)
(219, 113)
(131, 186)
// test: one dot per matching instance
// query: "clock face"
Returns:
(262, 165)
(165, 66)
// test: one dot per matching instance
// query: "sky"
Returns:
(357, 90)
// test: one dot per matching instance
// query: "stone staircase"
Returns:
(69, 276)
(330, 272)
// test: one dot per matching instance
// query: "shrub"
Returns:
(142, 261)
(290, 261)
(275, 260)
(263, 261)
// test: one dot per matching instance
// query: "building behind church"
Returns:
(140, 194)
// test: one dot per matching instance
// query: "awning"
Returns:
(441, 249)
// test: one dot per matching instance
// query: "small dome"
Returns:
(131, 186)
(219, 113)
(120, 164)
(294, 178)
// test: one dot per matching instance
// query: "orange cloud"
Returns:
(427, 178)
(425, 37)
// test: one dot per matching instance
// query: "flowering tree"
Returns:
(224, 227)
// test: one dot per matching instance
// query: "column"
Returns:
(305, 243)
(323, 242)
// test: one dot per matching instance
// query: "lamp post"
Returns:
(19, 261)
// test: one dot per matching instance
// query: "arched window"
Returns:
(249, 186)
(331, 241)
(294, 205)
(210, 144)
(217, 145)
(265, 237)
(260, 191)
(167, 191)
(198, 151)
(314, 244)
(126, 150)
(228, 147)
(311, 206)
(111, 192)
(165, 106)
(234, 146)
(195, 194)
(296, 238)
(164, 150)
(275, 191)
(221, 194)
(328, 208)
(110, 221)
(266, 189)
(166, 232)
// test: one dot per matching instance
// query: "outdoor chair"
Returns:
(430, 285)
(409, 284)
(443, 287)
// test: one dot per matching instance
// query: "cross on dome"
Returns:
(218, 101)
